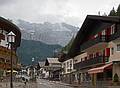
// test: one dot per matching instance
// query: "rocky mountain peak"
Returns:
(58, 33)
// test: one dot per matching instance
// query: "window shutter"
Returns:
(99, 34)
(107, 52)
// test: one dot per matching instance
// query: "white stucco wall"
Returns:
(4, 42)
(116, 54)
(77, 59)
(116, 69)
(66, 65)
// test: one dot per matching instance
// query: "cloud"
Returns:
(6, 2)
(69, 11)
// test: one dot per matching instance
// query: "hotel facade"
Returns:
(96, 51)
(7, 26)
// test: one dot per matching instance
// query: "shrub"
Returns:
(116, 78)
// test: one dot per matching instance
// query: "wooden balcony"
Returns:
(6, 66)
(90, 62)
(5, 55)
(92, 42)
(114, 36)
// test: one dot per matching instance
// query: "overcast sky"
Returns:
(69, 11)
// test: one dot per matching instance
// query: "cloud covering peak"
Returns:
(68, 11)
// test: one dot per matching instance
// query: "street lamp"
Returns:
(11, 40)
(33, 59)
(4, 73)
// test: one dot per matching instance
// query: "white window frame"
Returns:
(103, 32)
(113, 29)
(112, 50)
(118, 49)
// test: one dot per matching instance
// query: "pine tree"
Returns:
(104, 14)
(118, 11)
(112, 12)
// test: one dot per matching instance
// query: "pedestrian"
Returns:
(25, 82)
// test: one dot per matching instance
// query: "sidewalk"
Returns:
(18, 85)
(83, 86)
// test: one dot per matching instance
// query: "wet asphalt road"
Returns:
(51, 84)
(41, 83)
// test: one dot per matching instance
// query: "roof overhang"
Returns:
(90, 24)
(9, 26)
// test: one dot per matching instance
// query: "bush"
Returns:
(116, 78)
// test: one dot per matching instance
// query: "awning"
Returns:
(99, 69)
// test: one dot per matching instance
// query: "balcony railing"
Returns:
(92, 42)
(6, 53)
(90, 62)
(114, 36)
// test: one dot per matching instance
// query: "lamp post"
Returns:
(70, 73)
(4, 73)
(11, 40)
(33, 59)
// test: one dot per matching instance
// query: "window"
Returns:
(91, 56)
(1, 31)
(97, 54)
(85, 58)
(112, 51)
(68, 70)
(81, 59)
(103, 32)
(64, 65)
(118, 47)
(75, 60)
(100, 53)
(113, 29)
(70, 63)
(94, 55)
(67, 64)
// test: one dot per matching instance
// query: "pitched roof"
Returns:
(41, 63)
(9, 26)
(53, 60)
(91, 22)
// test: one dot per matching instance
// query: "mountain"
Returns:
(35, 49)
(58, 33)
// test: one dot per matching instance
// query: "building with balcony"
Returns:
(41, 70)
(67, 70)
(95, 50)
(53, 67)
(5, 52)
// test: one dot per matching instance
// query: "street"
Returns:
(51, 84)
(41, 83)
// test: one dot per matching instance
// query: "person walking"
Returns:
(25, 81)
